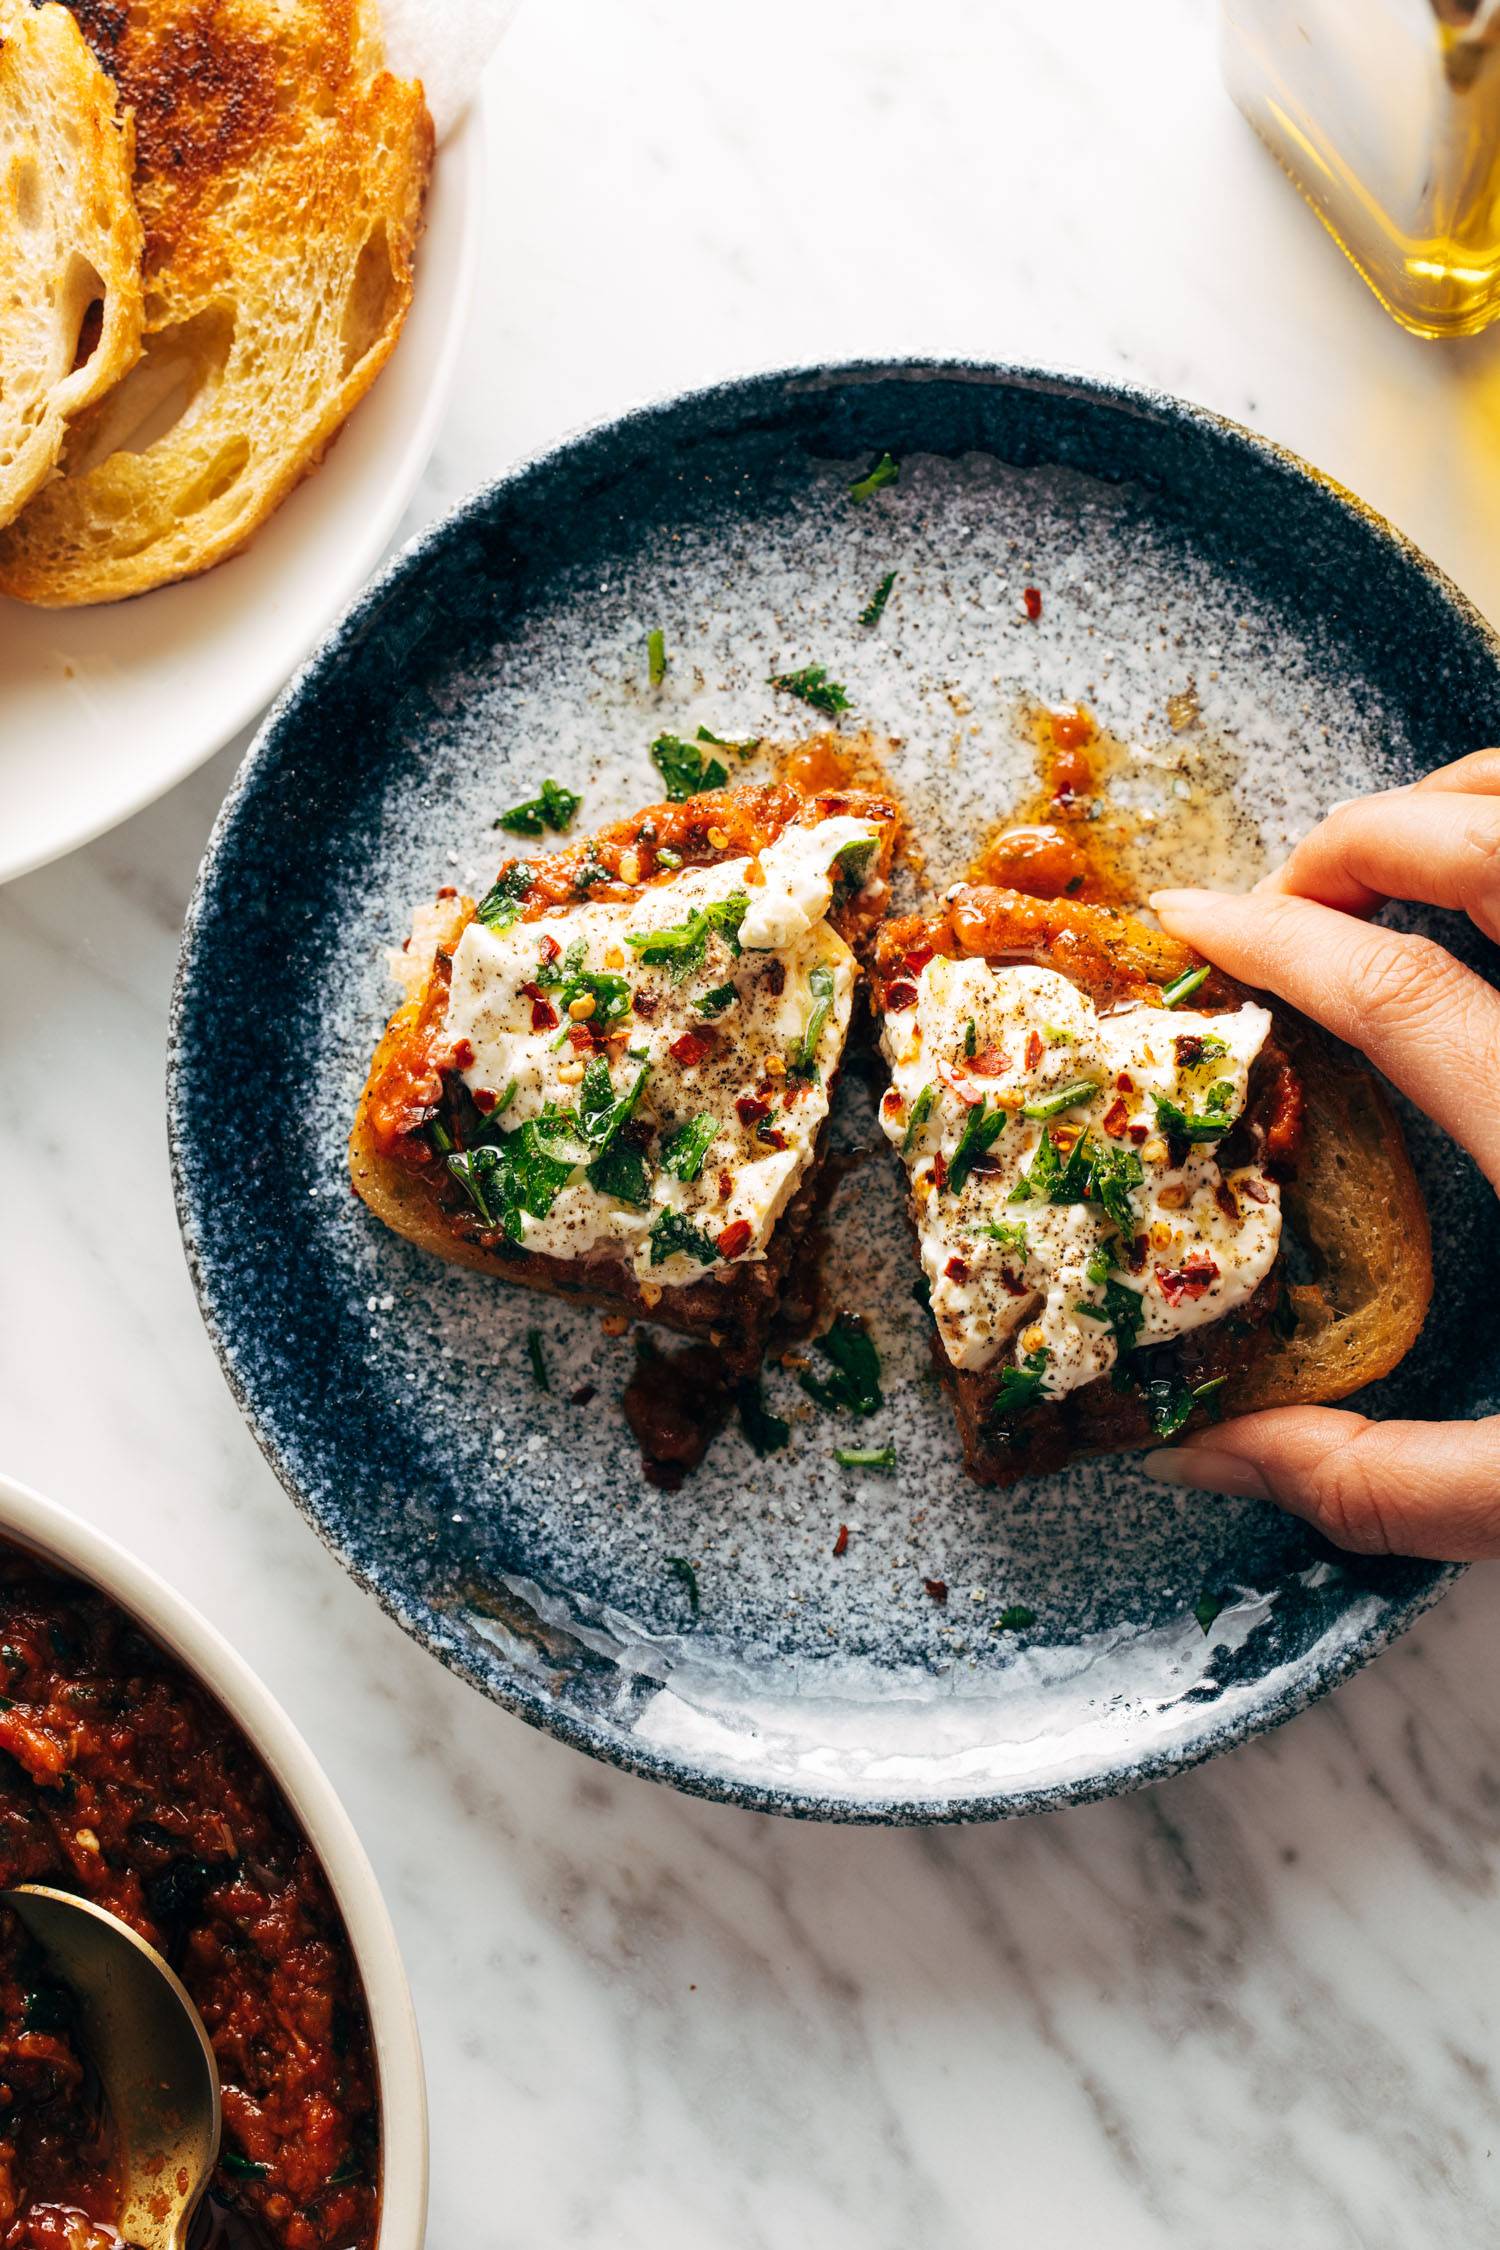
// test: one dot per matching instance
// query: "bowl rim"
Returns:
(735, 391)
(46, 1528)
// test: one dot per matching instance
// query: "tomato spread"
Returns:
(122, 1780)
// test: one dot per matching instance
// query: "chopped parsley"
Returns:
(852, 864)
(1098, 1268)
(553, 808)
(1170, 1400)
(538, 1358)
(744, 749)
(1064, 1097)
(1094, 1172)
(501, 904)
(1010, 1235)
(884, 472)
(1015, 1619)
(1181, 1125)
(1183, 987)
(766, 1431)
(673, 1236)
(685, 769)
(921, 1110)
(982, 1128)
(656, 656)
(874, 608)
(1207, 1607)
(522, 1172)
(1113, 1172)
(242, 2167)
(853, 1386)
(971, 1040)
(682, 1570)
(682, 949)
(570, 980)
(812, 685)
(865, 1456)
(622, 1171)
(1125, 1310)
(804, 1060)
(1019, 1387)
(715, 1002)
(618, 1167)
(682, 1152)
(1195, 1047)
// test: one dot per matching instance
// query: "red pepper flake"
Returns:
(543, 1016)
(484, 1100)
(773, 1136)
(988, 1063)
(937, 1588)
(1224, 1196)
(647, 1004)
(891, 1102)
(1254, 1188)
(901, 994)
(774, 977)
(582, 1038)
(726, 1187)
(1033, 1049)
(940, 1171)
(447, 890)
(583, 1395)
(692, 1048)
(463, 1055)
(1192, 1278)
(549, 948)
(1188, 1047)
(841, 1544)
(1032, 600)
(1136, 1133)
(1116, 1118)
(735, 1239)
(956, 1270)
(1012, 1284)
(1125, 1082)
(917, 957)
(750, 1110)
(967, 1094)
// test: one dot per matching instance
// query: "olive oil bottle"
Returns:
(1386, 114)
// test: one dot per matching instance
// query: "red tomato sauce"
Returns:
(124, 1781)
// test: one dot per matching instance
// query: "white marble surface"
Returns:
(1258, 2006)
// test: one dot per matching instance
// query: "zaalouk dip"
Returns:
(123, 1781)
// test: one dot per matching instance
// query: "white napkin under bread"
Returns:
(445, 43)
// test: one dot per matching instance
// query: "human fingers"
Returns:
(1430, 1024)
(1442, 848)
(1380, 1488)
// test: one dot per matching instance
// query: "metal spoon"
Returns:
(147, 2042)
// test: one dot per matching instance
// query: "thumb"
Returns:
(1380, 1488)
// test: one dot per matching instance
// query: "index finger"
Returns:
(1430, 1024)
(1440, 847)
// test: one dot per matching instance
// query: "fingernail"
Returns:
(1159, 899)
(1201, 1469)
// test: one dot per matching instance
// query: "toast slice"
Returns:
(70, 241)
(1110, 1269)
(611, 1077)
(280, 173)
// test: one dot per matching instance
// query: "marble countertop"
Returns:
(1257, 2005)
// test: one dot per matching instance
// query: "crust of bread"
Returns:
(70, 241)
(280, 174)
(1354, 1208)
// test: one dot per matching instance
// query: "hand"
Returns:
(1433, 1027)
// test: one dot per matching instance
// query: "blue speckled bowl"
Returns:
(1310, 653)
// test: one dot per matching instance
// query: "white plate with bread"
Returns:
(177, 523)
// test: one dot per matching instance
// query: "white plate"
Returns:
(102, 709)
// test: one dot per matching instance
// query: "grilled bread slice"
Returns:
(70, 241)
(280, 173)
(622, 980)
(1316, 1119)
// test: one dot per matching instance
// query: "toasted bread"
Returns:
(1351, 1203)
(414, 1080)
(280, 173)
(70, 241)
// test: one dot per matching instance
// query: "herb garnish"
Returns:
(570, 980)
(538, 1357)
(766, 1431)
(521, 1172)
(501, 904)
(1094, 1172)
(1170, 1400)
(1015, 1619)
(553, 808)
(812, 685)
(804, 1060)
(1181, 1125)
(865, 1456)
(852, 864)
(1207, 1607)
(1113, 1172)
(1019, 1387)
(1125, 1310)
(921, 1110)
(674, 1236)
(682, 1152)
(1065, 1097)
(715, 1002)
(982, 1128)
(884, 472)
(854, 1385)
(684, 769)
(745, 749)
(656, 656)
(971, 1040)
(1183, 987)
(619, 1168)
(683, 1571)
(242, 2167)
(875, 607)
(682, 948)
(1009, 1236)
